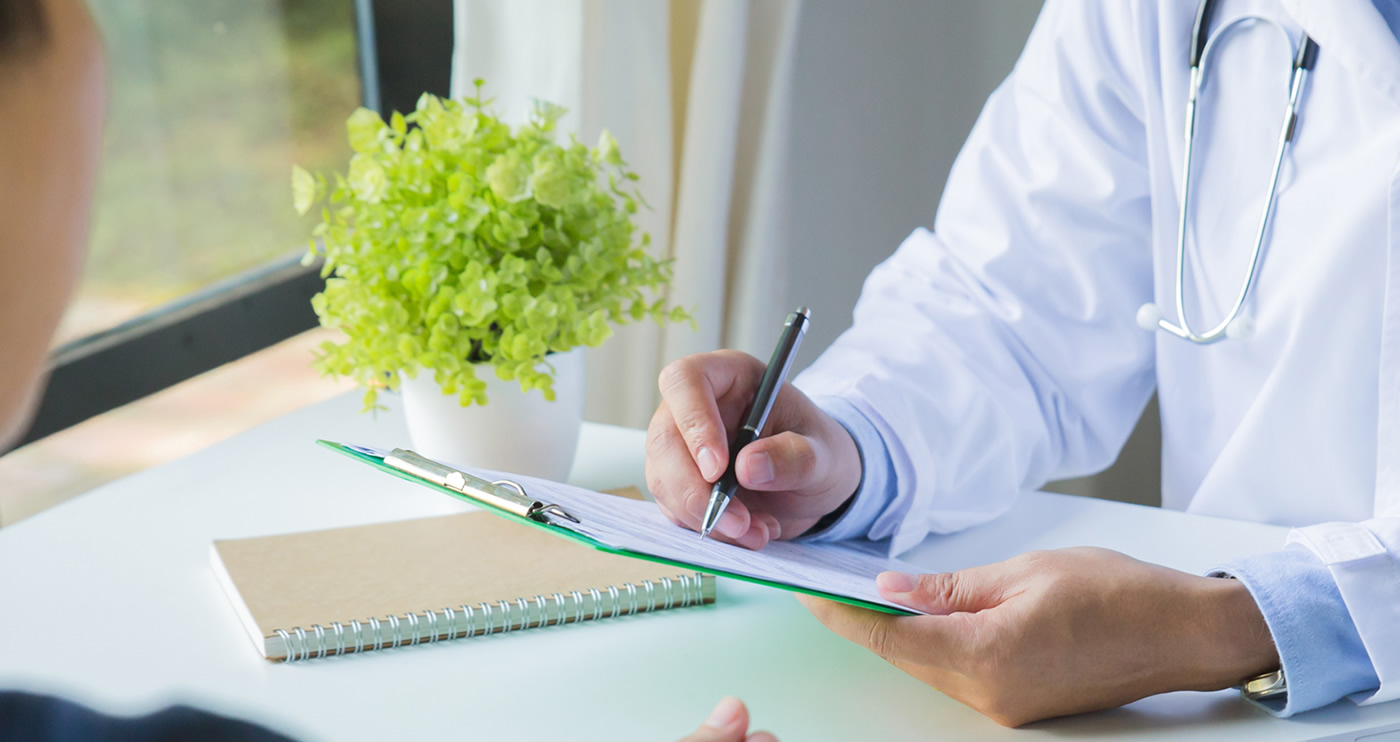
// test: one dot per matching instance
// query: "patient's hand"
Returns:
(729, 722)
(1059, 632)
(804, 467)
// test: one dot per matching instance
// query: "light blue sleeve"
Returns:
(1322, 654)
(876, 490)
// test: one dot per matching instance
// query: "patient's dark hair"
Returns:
(23, 28)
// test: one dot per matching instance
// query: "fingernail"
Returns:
(709, 463)
(895, 582)
(725, 714)
(761, 469)
(731, 525)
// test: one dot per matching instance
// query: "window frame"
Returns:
(404, 47)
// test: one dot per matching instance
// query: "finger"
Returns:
(939, 594)
(671, 472)
(775, 527)
(759, 533)
(733, 523)
(786, 462)
(683, 495)
(897, 639)
(687, 511)
(754, 537)
(761, 737)
(680, 491)
(738, 525)
(729, 722)
(691, 387)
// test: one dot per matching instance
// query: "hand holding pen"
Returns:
(803, 466)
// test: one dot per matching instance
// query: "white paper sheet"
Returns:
(639, 526)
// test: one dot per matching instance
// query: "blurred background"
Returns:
(785, 146)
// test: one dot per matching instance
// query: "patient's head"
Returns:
(23, 29)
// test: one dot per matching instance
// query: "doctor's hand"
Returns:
(729, 722)
(804, 466)
(1061, 632)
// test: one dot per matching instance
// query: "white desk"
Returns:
(109, 599)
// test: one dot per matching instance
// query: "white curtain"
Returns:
(697, 93)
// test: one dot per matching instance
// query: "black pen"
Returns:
(773, 377)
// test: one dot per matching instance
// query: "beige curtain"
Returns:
(697, 94)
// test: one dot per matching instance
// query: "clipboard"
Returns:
(510, 500)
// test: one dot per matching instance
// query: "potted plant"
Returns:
(466, 263)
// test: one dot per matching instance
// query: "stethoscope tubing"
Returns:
(1301, 64)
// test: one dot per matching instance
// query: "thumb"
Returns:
(938, 594)
(786, 462)
(729, 722)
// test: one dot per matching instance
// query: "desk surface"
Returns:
(109, 599)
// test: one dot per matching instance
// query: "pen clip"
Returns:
(504, 494)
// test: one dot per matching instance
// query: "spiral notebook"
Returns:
(320, 593)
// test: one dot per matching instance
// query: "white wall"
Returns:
(884, 94)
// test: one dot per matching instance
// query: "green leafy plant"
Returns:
(453, 240)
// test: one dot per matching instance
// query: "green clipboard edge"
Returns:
(582, 539)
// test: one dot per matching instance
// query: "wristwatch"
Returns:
(1271, 686)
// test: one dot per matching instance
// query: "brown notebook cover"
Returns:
(320, 593)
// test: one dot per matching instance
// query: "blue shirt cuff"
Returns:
(1322, 654)
(876, 489)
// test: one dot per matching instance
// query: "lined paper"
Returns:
(639, 526)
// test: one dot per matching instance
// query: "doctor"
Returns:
(1006, 348)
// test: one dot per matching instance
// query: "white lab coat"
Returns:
(1000, 350)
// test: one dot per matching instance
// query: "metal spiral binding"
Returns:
(496, 617)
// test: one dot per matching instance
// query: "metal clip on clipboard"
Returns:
(503, 493)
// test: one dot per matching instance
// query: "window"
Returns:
(211, 103)
(194, 252)
(193, 247)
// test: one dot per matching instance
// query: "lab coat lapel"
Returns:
(1353, 33)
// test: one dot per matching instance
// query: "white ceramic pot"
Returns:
(515, 431)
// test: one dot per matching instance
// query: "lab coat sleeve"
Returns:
(1364, 559)
(1322, 653)
(1000, 349)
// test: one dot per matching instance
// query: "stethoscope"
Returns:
(1235, 324)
